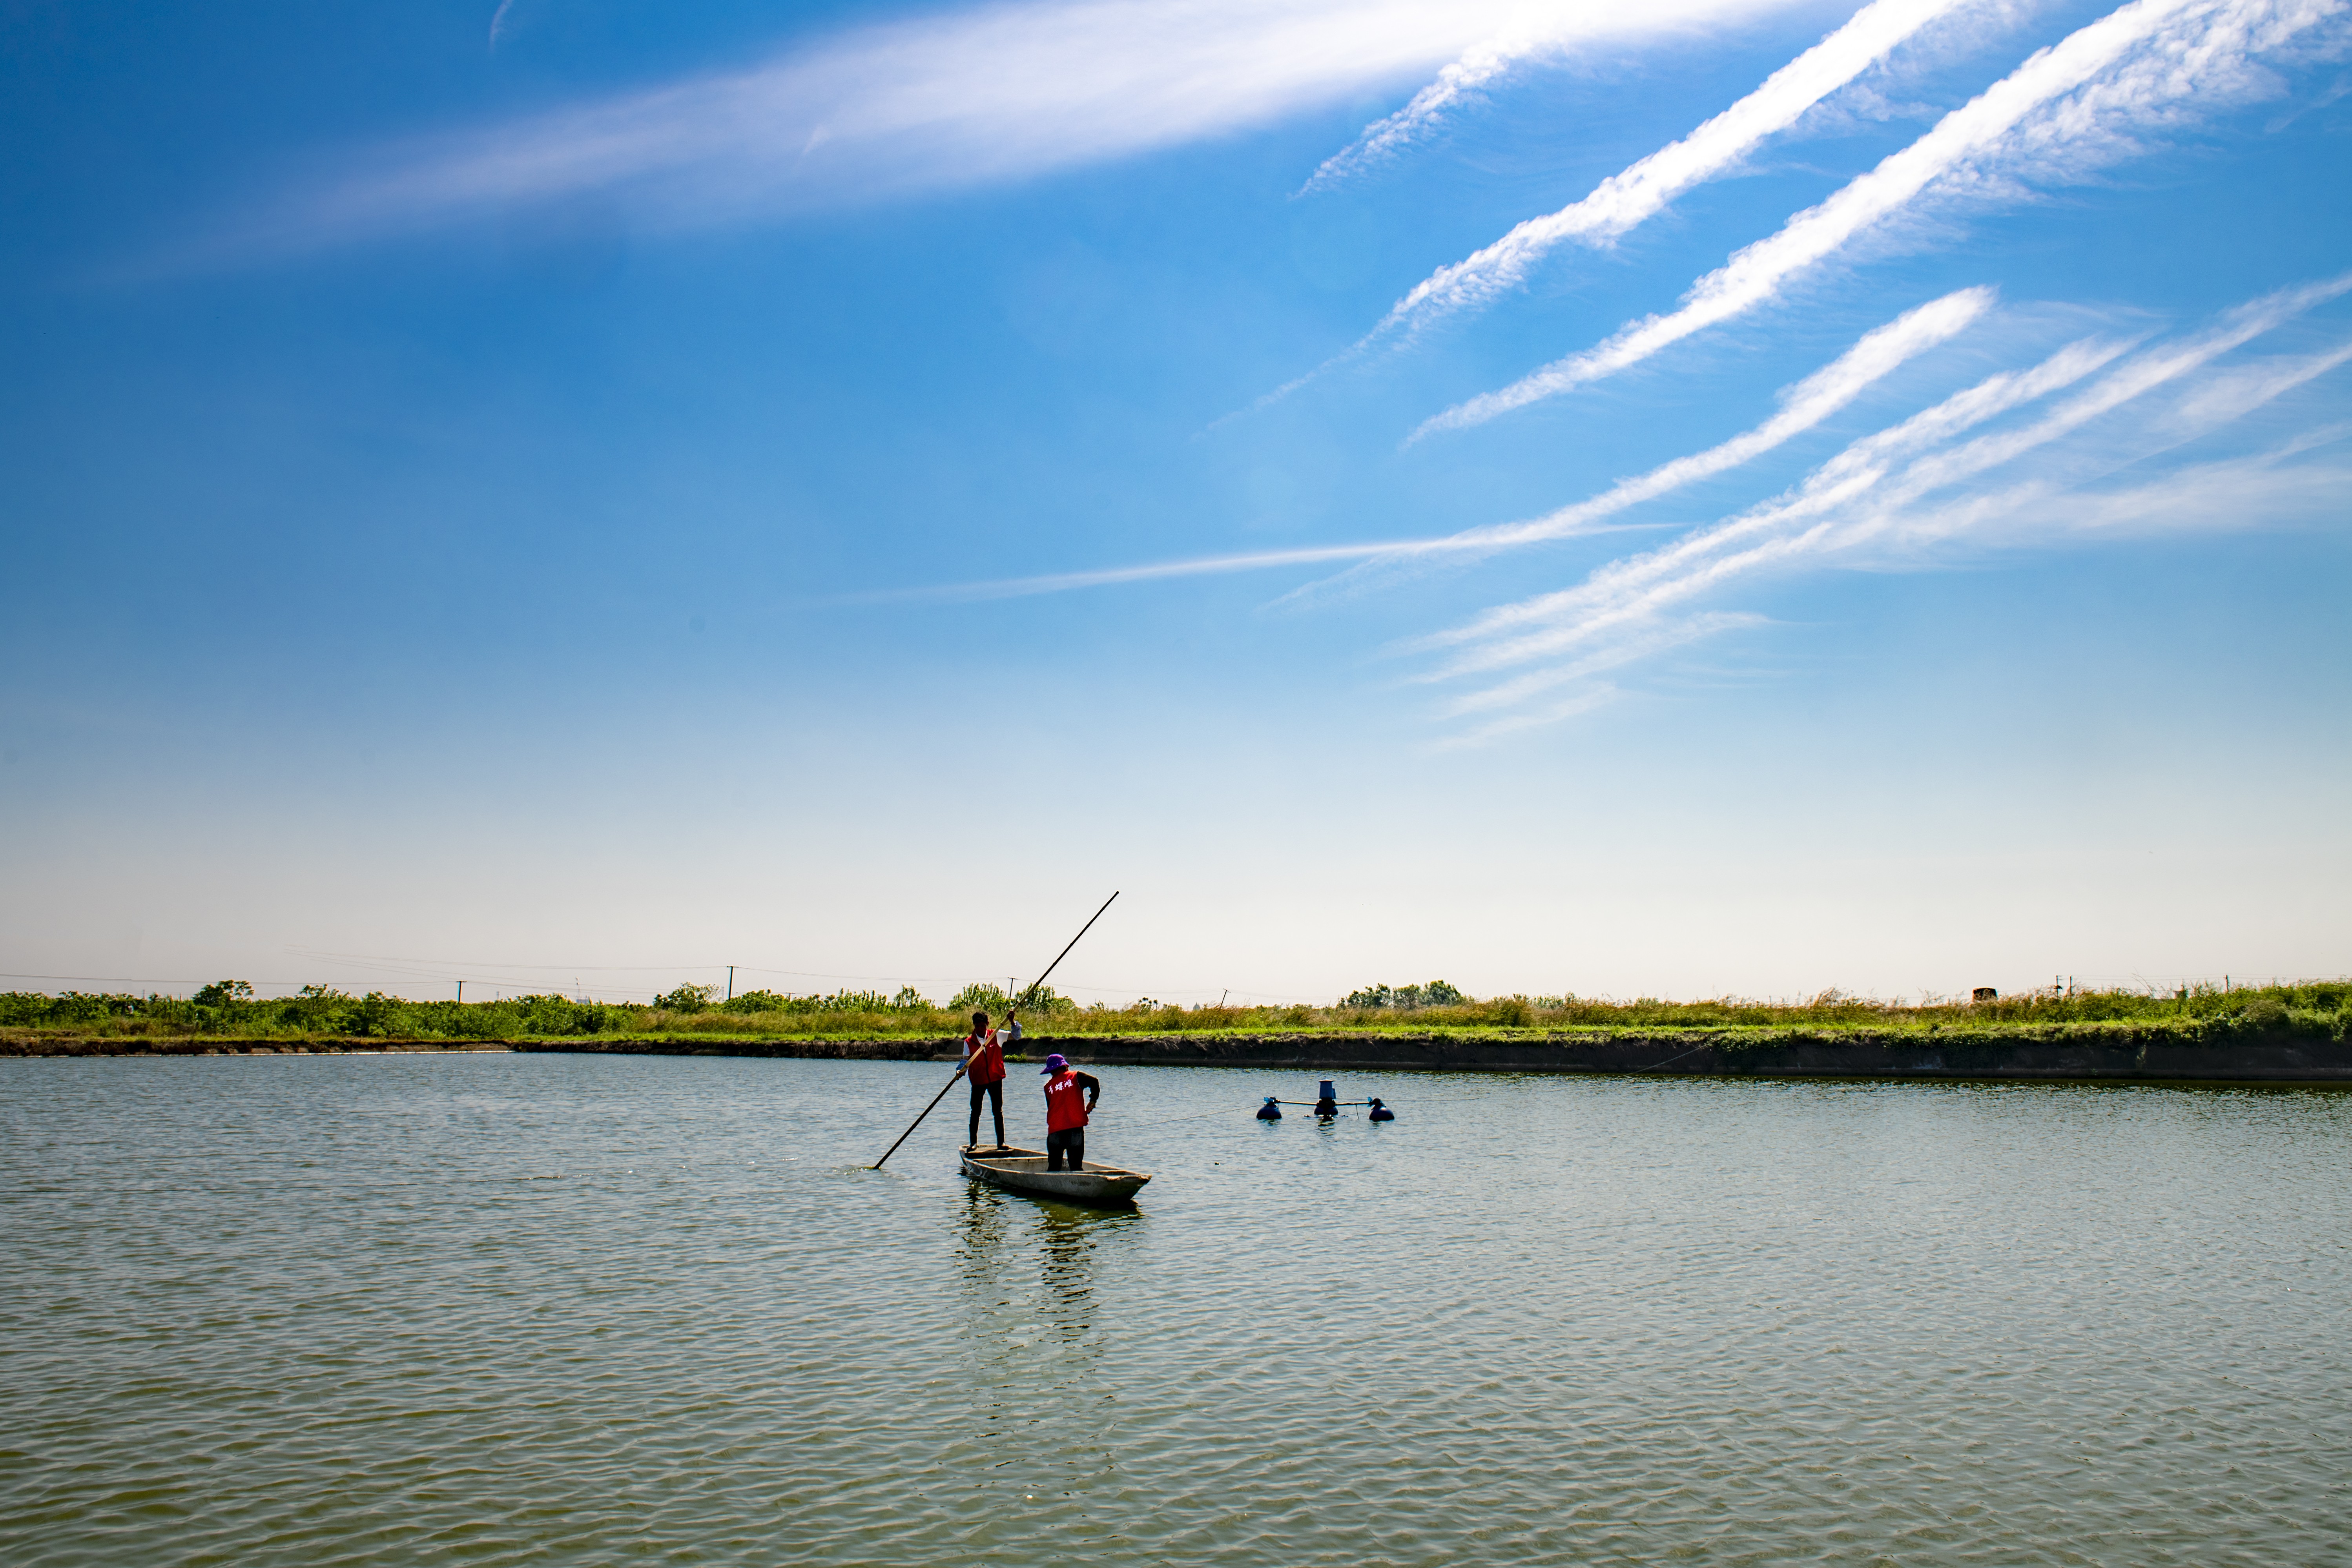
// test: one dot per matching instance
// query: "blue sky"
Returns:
(1743, 497)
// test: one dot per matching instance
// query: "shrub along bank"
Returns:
(2314, 1008)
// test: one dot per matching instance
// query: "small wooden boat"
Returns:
(1023, 1170)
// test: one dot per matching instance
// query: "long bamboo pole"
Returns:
(1016, 1007)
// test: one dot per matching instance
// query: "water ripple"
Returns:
(544, 1309)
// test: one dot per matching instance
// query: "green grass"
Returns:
(2310, 1007)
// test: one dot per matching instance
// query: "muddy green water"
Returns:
(575, 1310)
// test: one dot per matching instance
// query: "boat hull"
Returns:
(1023, 1170)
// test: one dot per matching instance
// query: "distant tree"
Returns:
(852, 1002)
(1437, 994)
(982, 996)
(685, 999)
(221, 993)
(316, 1007)
(756, 1002)
(78, 1006)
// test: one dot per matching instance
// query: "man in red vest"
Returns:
(983, 1064)
(1070, 1096)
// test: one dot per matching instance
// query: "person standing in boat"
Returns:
(1070, 1095)
(983, 1064)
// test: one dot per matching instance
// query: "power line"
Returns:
(481, 963)
(103, 979)
(434, 969)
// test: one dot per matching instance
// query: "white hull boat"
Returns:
(1023, 1170)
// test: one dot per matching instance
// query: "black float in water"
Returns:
(1327, 1105)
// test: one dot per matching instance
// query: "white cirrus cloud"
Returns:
(2259, 489)
(966, 96)
(2069, 109)
(1641, 190)
(1898, 497)
(1655, 636)
(1625, 199)
(1804, 405)
(1428, 109)
(1858, 468)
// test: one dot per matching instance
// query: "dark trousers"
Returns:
(1071, 1143)
(995, 1093)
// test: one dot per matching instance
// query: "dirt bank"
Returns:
(225, 1046)
(2110, 1053)
(2066, 1052)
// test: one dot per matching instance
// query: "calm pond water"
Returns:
(582, 1309)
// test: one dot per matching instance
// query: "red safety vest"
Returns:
(988, 1066)
(1065, 1103)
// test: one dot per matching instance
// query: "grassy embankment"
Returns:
(2317, 1009)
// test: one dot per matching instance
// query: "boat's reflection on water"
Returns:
(1069, 1240)
(1039, 1285)
(1030, 1274)
(981, 1224)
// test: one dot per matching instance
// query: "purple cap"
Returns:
(1055, 1063)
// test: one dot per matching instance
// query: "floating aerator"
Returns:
(1327, 1103)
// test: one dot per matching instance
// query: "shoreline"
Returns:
(2061, 1053)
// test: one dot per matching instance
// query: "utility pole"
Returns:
(461, 993)
(730, 983)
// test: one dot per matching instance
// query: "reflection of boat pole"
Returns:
(1016, 1007)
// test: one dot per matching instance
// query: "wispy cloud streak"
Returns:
(1657, 637)
(1598, 695)
(1871, 496)
(2264, 489)
(1625, 199)
(1385, 139)
(1112, 576)
(1845, 478)
(993, 93)
(1878, 353)
(1641, 190)
(2064, 108)
(1881, 352)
